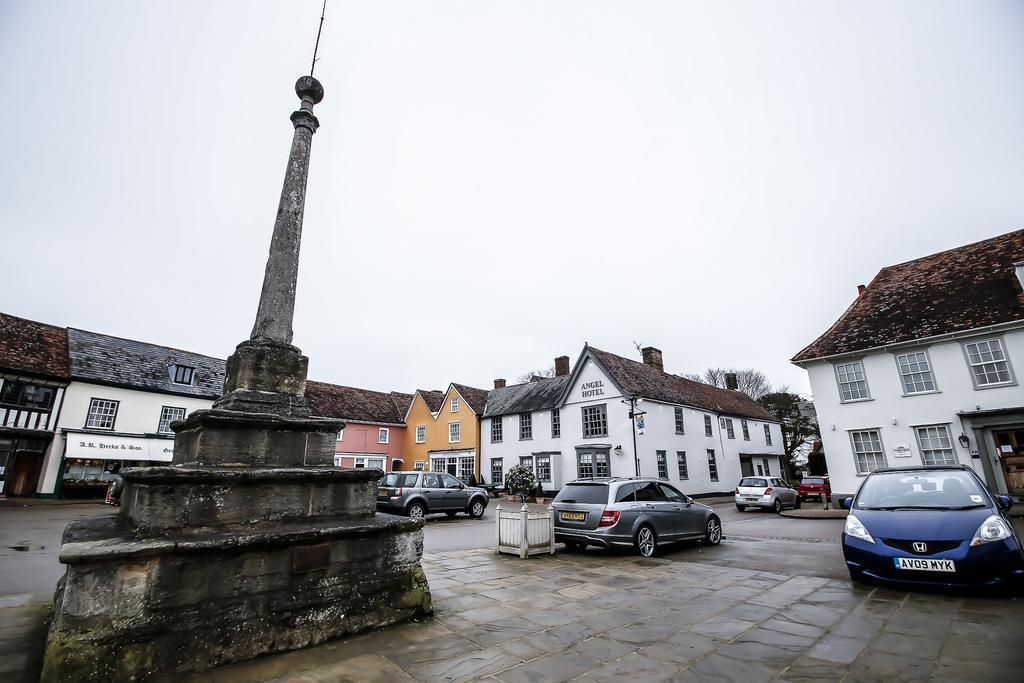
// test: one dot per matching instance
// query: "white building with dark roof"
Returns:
(118, 407)
(922, 368)
(578, 425)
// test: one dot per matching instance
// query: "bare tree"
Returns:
(750, 381)
(528, 376)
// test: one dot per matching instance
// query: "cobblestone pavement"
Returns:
(601, 617)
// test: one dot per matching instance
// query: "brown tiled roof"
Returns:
(401, 402)
(476, 398)
(33, 348)
(432, 398)
(349, 403)
(639, 379)
(953, 291)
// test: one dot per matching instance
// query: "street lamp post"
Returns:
(633, 414)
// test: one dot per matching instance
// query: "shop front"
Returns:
(91, 461)
(21, 459)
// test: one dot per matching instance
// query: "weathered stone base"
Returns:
(130, 607)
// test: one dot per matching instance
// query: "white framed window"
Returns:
(746, 430)
(418, 466)
(662, 458)
(989, 364)
(467, 467)
(556, 423)
(454, 432)
(455, 404)
(497, 473)
(383, 434)
(543, 468)
(915, 372)
(684, 472)
(867, 450)
(182, 374)
(680, 424)
(525, 426)
(729, 431)
(853, 384)
(936, 445)
(341, 434)
(595, 421)
(590, 465)
(712, 465)
(102, 414)
(421, 433)
(496, 434)
(169, 414)
(708, 430)
(767, 435)
(370, 463)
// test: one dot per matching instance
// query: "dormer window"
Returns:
(182, 374)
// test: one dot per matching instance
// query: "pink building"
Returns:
(375, 423)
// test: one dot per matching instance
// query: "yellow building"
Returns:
(443, 431)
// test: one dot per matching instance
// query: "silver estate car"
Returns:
(420, 493)
(637, 511)
(768, 493)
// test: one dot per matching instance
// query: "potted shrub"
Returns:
(519, 481)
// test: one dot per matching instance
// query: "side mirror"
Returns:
(847, 503)
(1005, 502)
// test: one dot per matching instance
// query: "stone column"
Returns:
(266, 374)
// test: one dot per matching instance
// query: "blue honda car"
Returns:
(935, 526)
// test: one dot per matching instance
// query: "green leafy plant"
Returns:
(520, 481)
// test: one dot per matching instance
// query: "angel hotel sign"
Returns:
(592, 389)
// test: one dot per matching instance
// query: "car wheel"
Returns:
(415, 510)
(476, 509)
(777, 505)
(713, 532)
(645, 541)
(741, 508)
(796, 505)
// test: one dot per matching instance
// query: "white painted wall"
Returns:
(138, 413)
(895, 415)
(659, 434)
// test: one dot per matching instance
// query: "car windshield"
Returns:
(583, 493)
(924, 490)
(813, 480)
(754, 482)
(396, 479)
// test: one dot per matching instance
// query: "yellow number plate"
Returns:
(574, 516)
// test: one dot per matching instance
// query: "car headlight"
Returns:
(994, 528)
(856, 529)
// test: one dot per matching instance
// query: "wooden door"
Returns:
(24, 474)
(1010, 446)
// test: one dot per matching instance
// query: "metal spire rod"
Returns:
(317, 46)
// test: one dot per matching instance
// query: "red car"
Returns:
(813, 487)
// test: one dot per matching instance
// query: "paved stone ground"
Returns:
(600, 617)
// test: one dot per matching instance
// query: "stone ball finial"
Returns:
(308, 87)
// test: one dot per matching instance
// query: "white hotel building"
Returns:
(577, 425)
(922, 368)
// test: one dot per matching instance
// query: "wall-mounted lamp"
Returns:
(964, 441)
(894, 420)
(833, 428)
(618, 450)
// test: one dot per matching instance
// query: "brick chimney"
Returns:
(652, 357)
(561, 366)
(730, 381)
(860, 289)
(499, 384)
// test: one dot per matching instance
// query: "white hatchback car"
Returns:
(769, 493)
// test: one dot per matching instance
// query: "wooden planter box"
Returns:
(524, 532)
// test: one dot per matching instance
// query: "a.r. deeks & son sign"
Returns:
(89, 445)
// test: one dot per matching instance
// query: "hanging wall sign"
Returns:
(639, 424)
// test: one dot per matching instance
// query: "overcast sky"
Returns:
(496, 183)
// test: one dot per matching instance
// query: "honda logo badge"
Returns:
(920, 547)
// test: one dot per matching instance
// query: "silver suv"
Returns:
(420, 493)
(636, 511)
